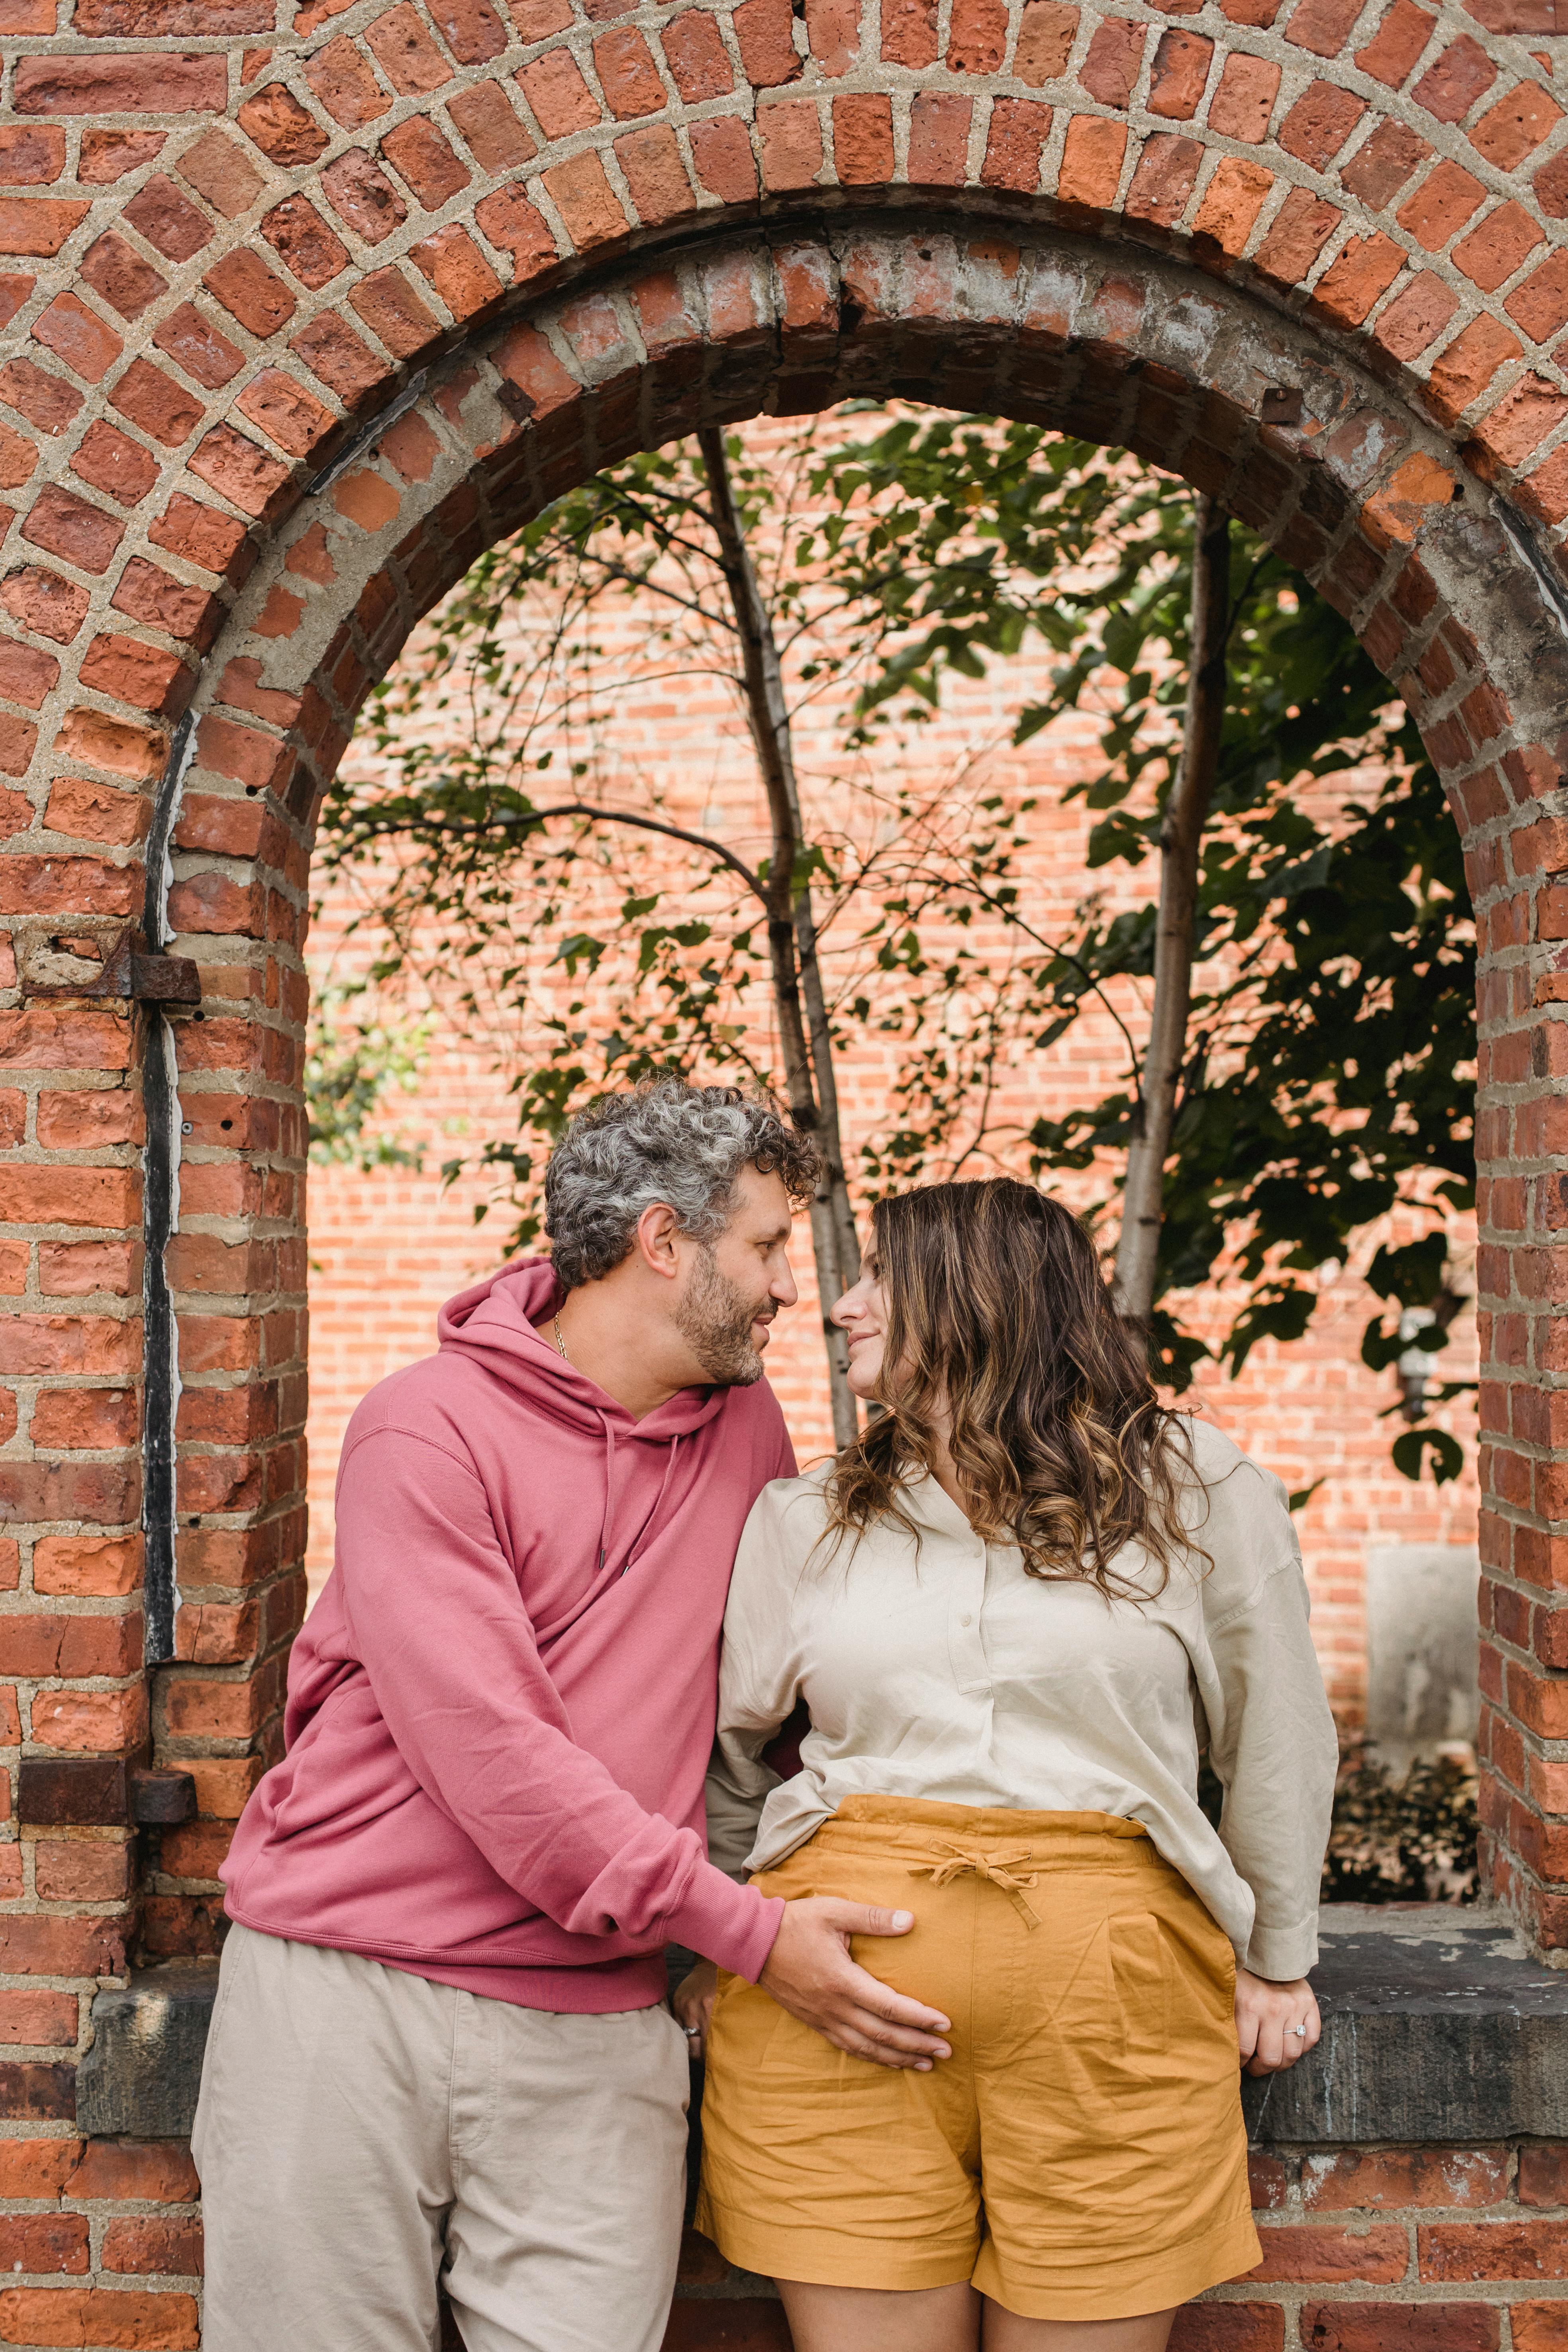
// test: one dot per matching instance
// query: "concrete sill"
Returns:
(1438, 2025)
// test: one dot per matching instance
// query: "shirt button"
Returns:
(966, 1620)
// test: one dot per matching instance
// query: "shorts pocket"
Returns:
(1139, 1966)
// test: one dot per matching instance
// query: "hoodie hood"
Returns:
(492, 1325)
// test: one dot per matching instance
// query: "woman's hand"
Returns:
(1267, 2015)
(693, 2005)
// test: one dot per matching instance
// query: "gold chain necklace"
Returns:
(560, 1342)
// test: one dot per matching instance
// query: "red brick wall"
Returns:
(1364, 2250)
(226, 230)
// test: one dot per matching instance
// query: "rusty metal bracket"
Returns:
(161, 1797)
(164, 980)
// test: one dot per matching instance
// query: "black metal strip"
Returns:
(161, 1209)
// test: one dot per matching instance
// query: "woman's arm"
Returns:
(1273, 1745)
(759, 1675)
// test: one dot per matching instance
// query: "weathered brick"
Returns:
(239, 471)
(1443, 203)
(116, 2317)
(1516, 126)
(168, 220)
(1243, 101)
(459, 271)
(43, 601)
(1045, 33)
(281, 127)
(108, 460)
(99, 1566)
(139, 83)
(39, 2019)
(219, 170)
(86, 344)
(406, 53)
(113, 269)
(56, 1946)
(627, 74)
(304, 243)
(45, 399)
(1492, 2249)
(108, 155)
(1403, 33)
(216, 542)
(1110, 69)
(765, 29)
(360, 194)
(339, 358)
(1164, 180)
(145, 593)
(31, 154)
(509, 221)
(68, 527)
(1400, 2327)
(157, 404)
(341, 76)
(696, 56)
(488, 123)
(1301, 228)
(1019, 126)
(1179, 75)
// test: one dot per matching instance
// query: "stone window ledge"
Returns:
(1438, 2026)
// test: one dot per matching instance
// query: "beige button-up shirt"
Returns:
(934, 1668)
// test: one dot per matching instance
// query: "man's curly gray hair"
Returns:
(667, 1141)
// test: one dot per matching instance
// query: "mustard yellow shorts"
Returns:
(1080, 2156)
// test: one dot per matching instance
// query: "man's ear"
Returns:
(658, 1240)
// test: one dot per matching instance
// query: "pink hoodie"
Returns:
(500, 1709)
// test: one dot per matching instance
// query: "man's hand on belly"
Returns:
(810, 1973)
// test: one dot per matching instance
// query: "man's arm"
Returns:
(453, 1661)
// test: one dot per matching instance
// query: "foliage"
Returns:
(354, 1061)
(520, 886)
(1410, 1841)
(1330, 1081)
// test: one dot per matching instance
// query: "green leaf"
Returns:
(1411, 1450)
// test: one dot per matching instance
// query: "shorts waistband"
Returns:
(905, 1826)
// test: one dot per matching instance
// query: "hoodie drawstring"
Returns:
(644, 1534)
(607, 1425)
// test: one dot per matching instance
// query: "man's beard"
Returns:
(715, 1321)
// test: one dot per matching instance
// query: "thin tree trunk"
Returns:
(805, 1032)
(1180, 840)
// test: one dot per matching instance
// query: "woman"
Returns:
(1016, 1611)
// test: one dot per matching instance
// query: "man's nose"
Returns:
(784, 1289)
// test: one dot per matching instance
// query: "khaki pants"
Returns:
(361, 2130)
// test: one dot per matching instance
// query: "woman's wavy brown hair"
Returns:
(998, 1314)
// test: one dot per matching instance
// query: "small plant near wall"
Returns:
(1406, 1841)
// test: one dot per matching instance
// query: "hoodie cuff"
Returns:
(732, 1925)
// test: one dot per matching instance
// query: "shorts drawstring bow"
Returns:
(999, 1868)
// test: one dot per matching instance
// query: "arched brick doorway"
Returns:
(1329, 296)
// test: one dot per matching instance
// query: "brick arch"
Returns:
(302, 316)
(1096, 338)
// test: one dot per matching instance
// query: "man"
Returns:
(440, 2043)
